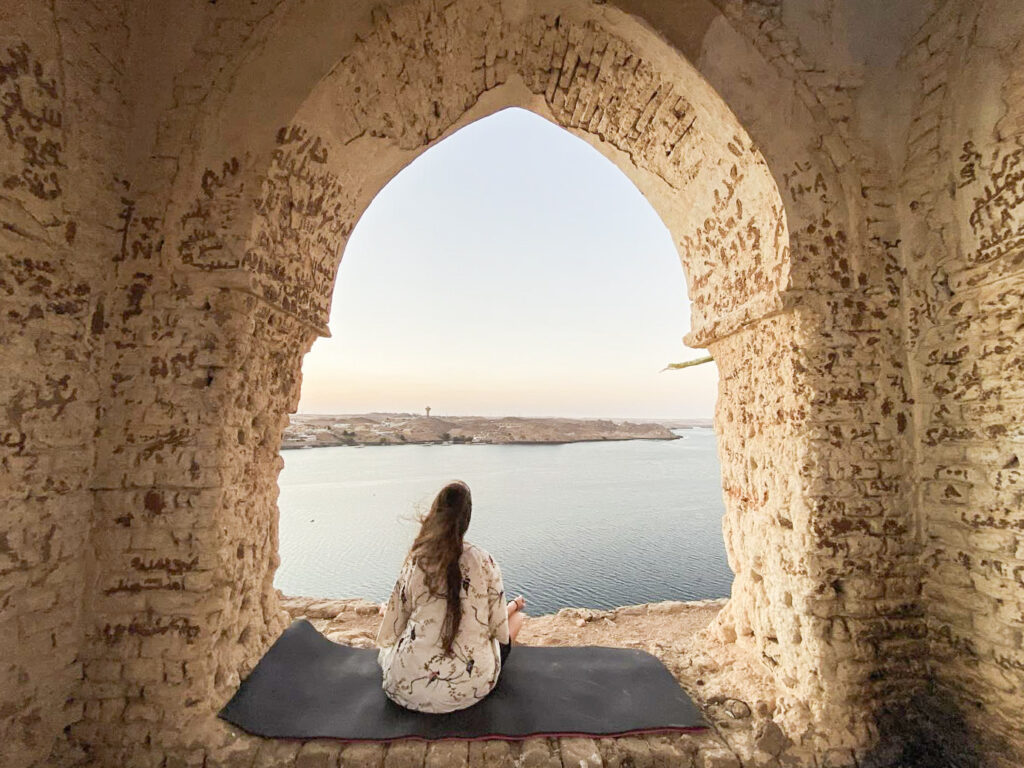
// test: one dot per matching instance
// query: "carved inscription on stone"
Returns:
(820, 241)
(152, 626)
(303, 223)
(207, 222)
(996, 191)
(741, 247)
(31, 119)
(140, 237)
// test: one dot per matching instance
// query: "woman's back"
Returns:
(418, 674)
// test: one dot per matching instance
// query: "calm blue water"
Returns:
(591, 525)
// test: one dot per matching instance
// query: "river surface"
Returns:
(591, 525)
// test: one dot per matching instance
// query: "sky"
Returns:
(510, 270)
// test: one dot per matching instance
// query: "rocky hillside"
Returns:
(306, 431)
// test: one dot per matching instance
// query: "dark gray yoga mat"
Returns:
(308, 687)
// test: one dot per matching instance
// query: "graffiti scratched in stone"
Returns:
(32, 121)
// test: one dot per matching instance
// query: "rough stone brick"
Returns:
(168, 249)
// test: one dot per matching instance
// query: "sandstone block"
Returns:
(442, 754)
(363, 755)
(405, 754)
(319, 754)
(491, 754)
(579, 753)
(717, 757)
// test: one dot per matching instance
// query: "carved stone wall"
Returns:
(962, 208)
(60, 110)
(176, 188)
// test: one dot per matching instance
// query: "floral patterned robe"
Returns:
(417, 673)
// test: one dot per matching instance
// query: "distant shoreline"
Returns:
(480, 442)
(353, 430)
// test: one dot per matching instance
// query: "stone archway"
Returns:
(153, 346)
(709, 184)
(271, 182)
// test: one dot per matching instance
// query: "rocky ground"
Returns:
(308, 431)
(743, 731)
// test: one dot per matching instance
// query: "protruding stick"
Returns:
(687, 364)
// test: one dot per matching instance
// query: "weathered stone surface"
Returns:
(176, 188)
(363, 756)
(319, 754)
(580, 753)
(539, 753)
(442, 754)
(492, 754)
(964, 284)
(405, 754)
(717, 758)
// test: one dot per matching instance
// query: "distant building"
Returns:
(428, 411)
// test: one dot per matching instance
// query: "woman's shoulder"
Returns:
(479, 554)
(472, 549)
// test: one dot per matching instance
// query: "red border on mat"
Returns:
(499, 737)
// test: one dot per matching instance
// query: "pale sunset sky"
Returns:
(510, 270)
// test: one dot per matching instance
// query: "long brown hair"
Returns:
(437, 550)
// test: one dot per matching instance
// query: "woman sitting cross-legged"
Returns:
(446, 630)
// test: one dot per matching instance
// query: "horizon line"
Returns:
(504, 416)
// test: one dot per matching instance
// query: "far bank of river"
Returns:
(323, 430)
(588, 524)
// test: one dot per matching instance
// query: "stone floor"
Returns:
(743, 731)
(728, 682)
